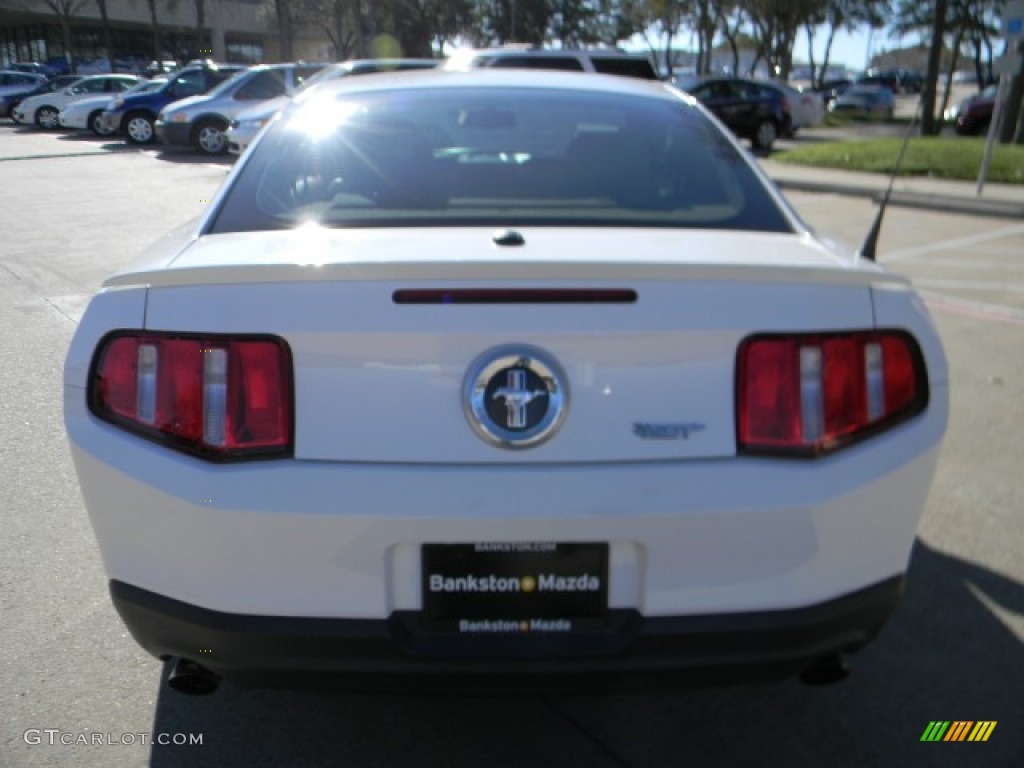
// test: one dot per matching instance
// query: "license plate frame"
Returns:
(515, 587)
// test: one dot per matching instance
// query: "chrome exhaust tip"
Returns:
(827, 670)
(192, 679)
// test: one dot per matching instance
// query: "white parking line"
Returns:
(976, 309)
(978, 265)
(915, 254)
(995, 286)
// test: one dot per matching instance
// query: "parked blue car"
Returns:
(13, 87)
(135, 116)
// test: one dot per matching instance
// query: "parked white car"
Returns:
(503, 377)
(44, 110)
(85, 113)
(806, 108)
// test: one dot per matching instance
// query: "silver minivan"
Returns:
(201, 121)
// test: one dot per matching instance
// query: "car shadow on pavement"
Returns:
(182, 156)
(950, 652)
(105, 143)
(81, 137)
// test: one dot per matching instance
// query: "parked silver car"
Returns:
(249, 123)
(872, 102)
(201, 121)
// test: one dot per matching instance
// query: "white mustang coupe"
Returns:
(503, 377)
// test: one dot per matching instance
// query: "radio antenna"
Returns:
(867, 250)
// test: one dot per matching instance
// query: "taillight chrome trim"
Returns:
(874, 389)
(211, 345)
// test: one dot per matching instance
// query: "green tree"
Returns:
(510, 21)
(847, 15)
(950, 24)
(659, 23)
(731, 20)
(929, 125)
(576, 23)
(420, 24)
(774, 26)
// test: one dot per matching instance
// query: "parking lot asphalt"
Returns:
(74, 211)
(28, 142)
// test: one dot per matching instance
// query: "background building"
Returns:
(67, 33)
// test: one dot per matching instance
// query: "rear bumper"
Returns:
(173, 134)
(111, 121)
(395, 654)
(73, 121)
(239, 139)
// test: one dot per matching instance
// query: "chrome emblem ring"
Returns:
(515, 397)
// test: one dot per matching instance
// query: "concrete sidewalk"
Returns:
(998, 200)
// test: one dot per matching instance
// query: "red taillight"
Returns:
(217, 397)
(117, 389)
(260, 414)
(808, 394)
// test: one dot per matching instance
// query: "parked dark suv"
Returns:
(750, 110)
(135, 116)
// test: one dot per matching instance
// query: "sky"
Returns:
(848, 48)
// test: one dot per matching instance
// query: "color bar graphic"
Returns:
(935, 731)
(958, 730)
(982, 730)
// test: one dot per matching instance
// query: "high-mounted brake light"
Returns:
(219, 397)
(810, 394)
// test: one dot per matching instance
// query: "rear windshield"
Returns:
(565, 63)
(496, 157)
(626, 66)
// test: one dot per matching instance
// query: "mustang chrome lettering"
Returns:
(650, 431)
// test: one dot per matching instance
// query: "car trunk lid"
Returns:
(645, 343)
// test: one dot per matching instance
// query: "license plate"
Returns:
(515, 587)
